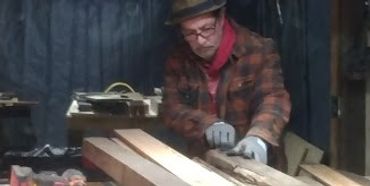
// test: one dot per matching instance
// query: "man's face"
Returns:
(203, 33)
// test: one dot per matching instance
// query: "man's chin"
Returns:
(205, 55)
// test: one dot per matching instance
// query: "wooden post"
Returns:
(367, 131)
(335, 54)
(367, 112)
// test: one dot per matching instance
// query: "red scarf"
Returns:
(221, 57)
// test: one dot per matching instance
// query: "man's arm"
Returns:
(181, 117)
(272, 102)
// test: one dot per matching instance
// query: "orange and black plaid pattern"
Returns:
(251, 94)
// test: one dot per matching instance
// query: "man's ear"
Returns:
(222, 12)
(221, 15)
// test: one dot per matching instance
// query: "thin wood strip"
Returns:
(327, 175)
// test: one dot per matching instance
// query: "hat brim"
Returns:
(174, 20)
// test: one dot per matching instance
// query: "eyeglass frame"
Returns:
(203, 29)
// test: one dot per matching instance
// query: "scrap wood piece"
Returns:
(181, 166)
(221, 173)
(251, 169)
(309, 180)
(327, 175)
(298, 150)
(125, 167)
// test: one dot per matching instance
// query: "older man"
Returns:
(223, 84)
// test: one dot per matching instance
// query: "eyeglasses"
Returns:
(205, 32)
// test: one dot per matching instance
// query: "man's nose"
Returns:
(201, 40)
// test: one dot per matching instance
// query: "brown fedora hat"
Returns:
(185, 9)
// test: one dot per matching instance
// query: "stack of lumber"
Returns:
(134, 157)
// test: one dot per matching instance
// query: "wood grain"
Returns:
(221, 173)
(252, 170)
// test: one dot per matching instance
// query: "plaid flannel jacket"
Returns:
(251, 94)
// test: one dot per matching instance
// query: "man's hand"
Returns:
(250, 147)
(220, 135)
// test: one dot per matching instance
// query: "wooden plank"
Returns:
(327, 175)
(125, 167)
(181, 166)
(298, 150)
(251, 169)
(218, 171)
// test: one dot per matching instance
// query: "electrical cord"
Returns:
(114, 85)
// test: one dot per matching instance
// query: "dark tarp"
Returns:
(304, 43)
(48, 49)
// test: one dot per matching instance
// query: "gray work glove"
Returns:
(250, 147)
(220, 135)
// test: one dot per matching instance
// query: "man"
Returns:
(224, 83)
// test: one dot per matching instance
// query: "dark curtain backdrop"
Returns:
(50, 48)
(304, 44)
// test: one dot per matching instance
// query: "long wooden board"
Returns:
(327, 175)
(181, 166)
(251, 169)
(125, 167)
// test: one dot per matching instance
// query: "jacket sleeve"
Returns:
(180, 116)
(271, 102)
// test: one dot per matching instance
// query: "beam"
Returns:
(124, 166)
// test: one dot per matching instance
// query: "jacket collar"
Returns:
(245, 41)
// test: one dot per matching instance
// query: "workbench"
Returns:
(13, 108)
(86, 124)
(77, 120)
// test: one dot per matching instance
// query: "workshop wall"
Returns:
(51, 48)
